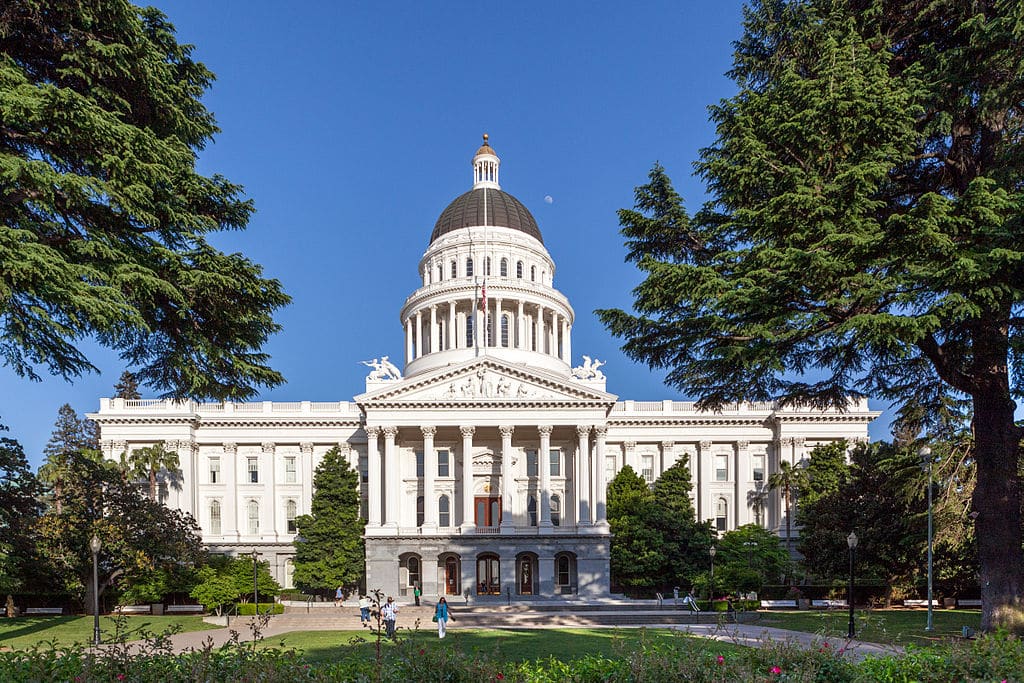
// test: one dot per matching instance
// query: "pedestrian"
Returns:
(389, 613)
(364, 610)
(416, 593)
(339, 595)
(441, 616)
(675, 595)
(691, 602)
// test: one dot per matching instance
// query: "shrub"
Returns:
(248, 609)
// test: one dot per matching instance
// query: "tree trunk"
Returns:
(996, 500)
(152, 484)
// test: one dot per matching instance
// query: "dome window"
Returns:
(504, 268)
(469, 267)
(519, 269)
(487, 266)
(455, 269)
(533, 273)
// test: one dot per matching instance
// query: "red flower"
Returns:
(500, 676)
(422, 651)
(776, 670)
(720, 659)
(120, 677)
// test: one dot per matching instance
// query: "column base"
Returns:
(467, 529)
(505, 529)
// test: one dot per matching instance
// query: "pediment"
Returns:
(487, 381)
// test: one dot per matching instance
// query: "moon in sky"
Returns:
(548, 199)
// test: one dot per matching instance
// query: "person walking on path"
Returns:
(389, 613)
(441, 616)
(416, 593)
(339, 596)
(364, 610)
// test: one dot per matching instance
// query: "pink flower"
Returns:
(776, 670)
(720, 659)
(120, 677)
(500, 676)
(422, 651)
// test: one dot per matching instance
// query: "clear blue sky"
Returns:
(352, 125)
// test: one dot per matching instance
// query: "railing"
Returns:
(690, 407)
(228, 407)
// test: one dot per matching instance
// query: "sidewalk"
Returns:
(750, 635)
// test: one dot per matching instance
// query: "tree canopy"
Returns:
(863, 235)
(103, 216)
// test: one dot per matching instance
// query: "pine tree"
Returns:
(863, 234)
(67, 443)
(329, 548)
(127, 387)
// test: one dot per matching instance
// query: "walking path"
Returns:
(751, 635)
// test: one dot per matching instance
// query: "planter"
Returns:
(803, 603)
(157, 609)
(949, 603)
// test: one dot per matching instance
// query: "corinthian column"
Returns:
(467, 478)
(373, 476)
(429, 472)
(583, 480)
(544, 465)
(601, 486)
(507, 482)
(392, 477)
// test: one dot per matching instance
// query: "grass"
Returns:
(24, 632)
(510, 644)
(888, 626)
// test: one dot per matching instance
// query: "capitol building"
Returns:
(485, 458)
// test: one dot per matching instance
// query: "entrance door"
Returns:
(488, 575)
(525, 576)
(451, 576)
(488, 511)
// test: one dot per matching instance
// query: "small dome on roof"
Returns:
(503, 211)
(485, 148)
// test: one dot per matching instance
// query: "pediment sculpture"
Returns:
(383, 369)
(589, 369)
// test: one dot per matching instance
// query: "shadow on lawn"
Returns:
(63, 626)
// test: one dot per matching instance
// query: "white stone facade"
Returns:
(455, 493)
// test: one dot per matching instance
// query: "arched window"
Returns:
(215, 518)
(533, 273)
(563, 572)
(413, 565)
(454, 269)
(419, 510)
(444, 512)
(487, 265)
(488, 575)
(253, 510)
(469, 267)
(504, 267)
(721, 514)
(290, 513)
(504, 330)
(531, 510)
(440, 271)
(556, 510)
(442, 338)
(470, 321)
(519, 269)
(489, 328)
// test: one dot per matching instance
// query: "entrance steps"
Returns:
(530, 615)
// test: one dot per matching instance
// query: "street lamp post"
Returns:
(712, 552)
(851, 541)
(750, 545)
(255, 581)
(926, 464)
(94, 546)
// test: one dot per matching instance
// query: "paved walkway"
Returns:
(742, 634)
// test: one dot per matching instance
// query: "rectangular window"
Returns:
(254, 470)
(647, 468)
(291, 510)
(254, 517)
(556, 462)
(289, 469)
(721, 468)
(444, 463)
(609, 468)
(214, 470)
(364, 469)
(419, 463)
(215, 518)
(531, 463)
(758, 467)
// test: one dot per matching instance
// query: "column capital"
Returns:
(344, 447)
(786, 441)
(668, 445)
(306, 447)
(268, 447)
(390, 431)
(629, 445)
(705, 445)
(583, 430)
(742, 445)
(600, 431)
(798, 441)
(544, 430)
(372, 431)
(428, 430)
(467, 431)
(230, 447)
(506, 431)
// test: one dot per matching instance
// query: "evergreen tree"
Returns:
(19, 509)
(69, 441)
(104, 218)
(674, 487)
(127, 387)
(637, 557)
(685, 541)
(750, 549)
(863, 234)
(329, 548)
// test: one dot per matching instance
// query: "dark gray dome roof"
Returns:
(503, 210)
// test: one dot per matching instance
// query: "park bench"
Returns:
(47, 611)
(184, 609)
(828, 603)
(778, 604)
(968, 602)
(133, 609)
(920, 603)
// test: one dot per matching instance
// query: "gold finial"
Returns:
(486, 136)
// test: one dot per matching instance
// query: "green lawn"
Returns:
(889, 626)
(24, 632)
(516, 645)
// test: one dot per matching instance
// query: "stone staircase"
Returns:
(327, 617)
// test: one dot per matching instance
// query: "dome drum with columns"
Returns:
(484, 460)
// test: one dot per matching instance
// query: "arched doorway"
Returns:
(488, 574)
(566, 582)
(410, 573)
(450, 571)
(526, 574)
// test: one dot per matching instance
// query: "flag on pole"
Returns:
(483, 296)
